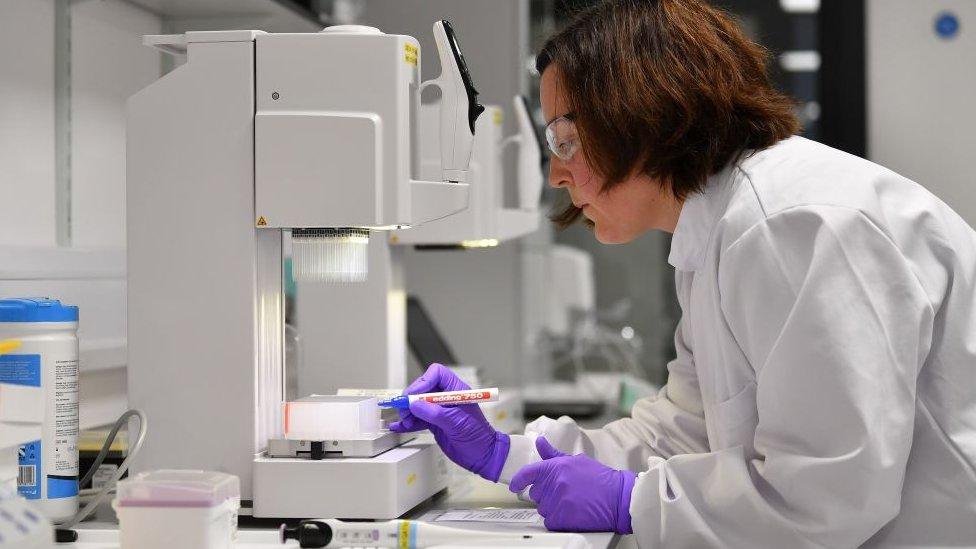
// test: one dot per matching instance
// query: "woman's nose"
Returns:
(559, 176)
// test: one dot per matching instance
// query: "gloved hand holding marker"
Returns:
(462, 432)
(574, 493)
(447, 398)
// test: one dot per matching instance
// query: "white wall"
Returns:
(27, 206)
(920, 87)
(107, 64)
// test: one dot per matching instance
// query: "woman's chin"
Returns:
(605, 235)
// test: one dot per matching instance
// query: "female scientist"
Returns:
(824, 389)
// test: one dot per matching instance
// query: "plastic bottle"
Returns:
(46, 357)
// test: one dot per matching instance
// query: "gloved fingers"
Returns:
(546, 450)
(553, 524)
(448, 380)
(408, 423)
(537, 494)
(525, 476)
(437, 378)
(426, 383)
(399, 427)
(432, 414)
(546, 508)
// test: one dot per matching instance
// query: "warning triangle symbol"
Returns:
(262, 222)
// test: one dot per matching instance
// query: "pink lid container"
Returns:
(178, 488)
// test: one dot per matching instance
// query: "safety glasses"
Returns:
(562, 138)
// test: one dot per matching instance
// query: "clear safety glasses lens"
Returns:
(562, 138)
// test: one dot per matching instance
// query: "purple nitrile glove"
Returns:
(577, 493)
(462, 431)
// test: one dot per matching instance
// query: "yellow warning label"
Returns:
(411, 478)
(498, 118)
(411, 54)
(262, 222)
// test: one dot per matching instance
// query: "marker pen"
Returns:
(449, 398)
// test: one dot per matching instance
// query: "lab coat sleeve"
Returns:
(835, 324)
(667, 424)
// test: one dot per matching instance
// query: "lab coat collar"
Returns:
(696, 222)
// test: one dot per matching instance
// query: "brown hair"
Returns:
(669, 88)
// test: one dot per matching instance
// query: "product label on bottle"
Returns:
(62, 481)
(25, 370)
(29, 470)
(21, 370)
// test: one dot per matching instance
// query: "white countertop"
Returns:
(472, 492)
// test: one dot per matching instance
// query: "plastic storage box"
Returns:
(185, 509)
(330, 417)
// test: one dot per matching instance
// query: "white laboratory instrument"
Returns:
(255, 136)
(486, 222)
(529, 141)
(330, 362)
(21, 418)
(410, 534)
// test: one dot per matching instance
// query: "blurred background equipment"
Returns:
(593, 355)
(897, 81)
(639, 273)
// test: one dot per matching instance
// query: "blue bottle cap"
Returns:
(36, 309)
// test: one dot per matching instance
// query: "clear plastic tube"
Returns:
(330, 255)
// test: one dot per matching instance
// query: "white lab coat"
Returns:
(824, 390)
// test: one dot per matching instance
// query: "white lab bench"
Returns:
(467, 491)
(472, 493)
(477, 493)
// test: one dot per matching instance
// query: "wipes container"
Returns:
(170, 508)
(40, 357)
